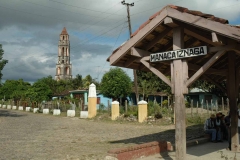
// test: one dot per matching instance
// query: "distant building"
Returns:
(63, 66)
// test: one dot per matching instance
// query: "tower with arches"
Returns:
(63, 66)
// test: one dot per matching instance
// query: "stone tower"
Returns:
(63, 66)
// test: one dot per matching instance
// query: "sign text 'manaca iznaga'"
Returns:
(177, 54)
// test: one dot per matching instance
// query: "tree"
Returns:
(116, 84)
(39, 92)
(87, 81)
(209, 87)
(63, 85)
(50, 82)
(14, 89)
(149, 83)
(77, 82)
(3, 62)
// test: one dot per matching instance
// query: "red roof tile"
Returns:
(182, 9)
(64, 31)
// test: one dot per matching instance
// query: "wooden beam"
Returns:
(156, 72)
(205, 67)
(199, 37)
(139, 52)
(195, 67)
(217, 39)
(114, 58)
(185, 75)
(169, 22)
(232, 91)
(191, 31)
(179, 89)
(157, 39)
(130, 61)
(203, 23)
(220, 48)
(172, 77)
(215, 83)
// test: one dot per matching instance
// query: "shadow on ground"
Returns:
(193, 132)
(6, 113)
(199, 150)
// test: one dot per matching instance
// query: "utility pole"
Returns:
(130, 33)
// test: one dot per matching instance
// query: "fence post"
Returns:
(197, 108)
(168, 101)
(211, 107)
(126, 108)
(222, 105)
(191, 107)
(207, 107)
(227, 103)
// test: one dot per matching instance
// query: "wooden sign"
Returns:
(178, 54)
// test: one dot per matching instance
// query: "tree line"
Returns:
(114, 84)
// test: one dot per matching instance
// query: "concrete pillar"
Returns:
(115, 110)
(92, 101)
(142, 111)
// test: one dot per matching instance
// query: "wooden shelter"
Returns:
(174, 28)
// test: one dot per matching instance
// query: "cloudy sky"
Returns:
(29, 31)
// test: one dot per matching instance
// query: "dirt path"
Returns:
(25, 135)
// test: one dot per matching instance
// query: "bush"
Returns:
(187, 104)
(131, 110)
(154, 109)
(165, 103)
(196, 119)
(102, 108)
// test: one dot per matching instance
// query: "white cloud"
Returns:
(30, 31)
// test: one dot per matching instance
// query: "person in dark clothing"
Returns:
(218, 125)
(224, 128)
(228, 125)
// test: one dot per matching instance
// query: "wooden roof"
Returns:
(200, 29)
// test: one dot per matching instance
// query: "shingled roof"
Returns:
(156, 35)
(185, 10)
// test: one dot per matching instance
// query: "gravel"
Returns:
(25, 135)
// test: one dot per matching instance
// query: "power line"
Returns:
(83, 8)
(59, 9)
(112, 48)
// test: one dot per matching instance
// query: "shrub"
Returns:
(102, 108)
(154, 109)
(187, 104)
(165, 103)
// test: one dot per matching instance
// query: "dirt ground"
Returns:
(25, 135)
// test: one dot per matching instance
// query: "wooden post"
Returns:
(197, 108)
(207, 107)
(222, 105)
(233, 91)
(126, 108)
(109, 105)
(191, 108)
(228, 104)
(168, 101)
(179, 88)
(211, 107)
(216, 105)
(202, 106)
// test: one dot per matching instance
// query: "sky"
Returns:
(30, 29)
